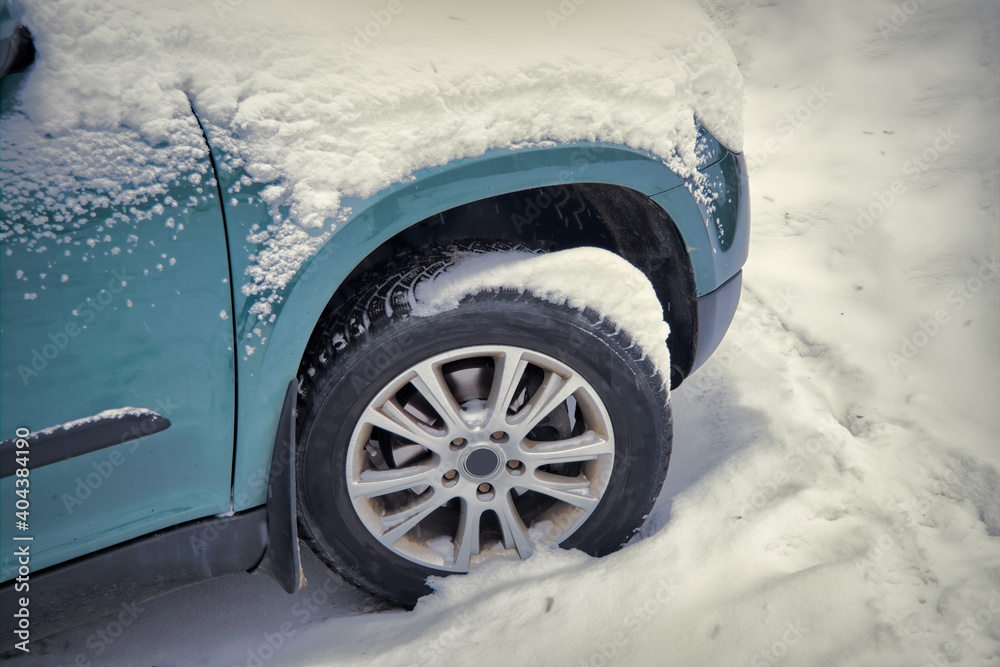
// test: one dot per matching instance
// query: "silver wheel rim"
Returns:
(478, 451)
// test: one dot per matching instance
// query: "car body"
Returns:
(155, 398)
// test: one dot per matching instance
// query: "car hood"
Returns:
(325, 101)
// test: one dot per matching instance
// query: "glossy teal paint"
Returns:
(127, 328)
(725, 243)
(264, 374)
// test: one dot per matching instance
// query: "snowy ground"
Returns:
(834, 497)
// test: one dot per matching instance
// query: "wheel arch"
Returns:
(560, 217)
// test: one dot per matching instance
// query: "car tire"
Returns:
(428, 443)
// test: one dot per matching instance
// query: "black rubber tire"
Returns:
(365, 345)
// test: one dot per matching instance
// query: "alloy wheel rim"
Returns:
(479, 450)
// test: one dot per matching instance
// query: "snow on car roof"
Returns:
(326, 101)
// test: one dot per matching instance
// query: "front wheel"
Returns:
(430, 443)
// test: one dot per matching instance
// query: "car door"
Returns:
(116, 336)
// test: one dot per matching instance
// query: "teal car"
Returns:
(162, 425)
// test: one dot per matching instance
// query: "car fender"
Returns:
(266, 368)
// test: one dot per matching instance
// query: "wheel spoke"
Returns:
(554, 390)
(429, 383)
(515, 534)
(572, 490)
(372, 483)
(391, 417)
(509, 370)
(401, 522)
(467, 536)
(584, 447)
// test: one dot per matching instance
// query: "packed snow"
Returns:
(834, 492)
(616, 289)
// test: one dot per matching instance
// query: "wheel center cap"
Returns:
(482, 462)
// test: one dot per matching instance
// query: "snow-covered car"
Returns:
(395, 279)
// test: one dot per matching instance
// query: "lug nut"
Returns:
(451, 474)
(513, 465)
(485, 492)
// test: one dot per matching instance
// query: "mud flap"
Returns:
(282, 560)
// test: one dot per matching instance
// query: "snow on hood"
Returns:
(325, 101)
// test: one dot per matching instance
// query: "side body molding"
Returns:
(83, 436)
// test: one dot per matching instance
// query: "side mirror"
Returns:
(17, 50)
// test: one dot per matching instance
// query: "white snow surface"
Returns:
(834, 491)
(579, 278)
(324, 101)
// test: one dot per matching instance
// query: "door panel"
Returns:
(111, 302)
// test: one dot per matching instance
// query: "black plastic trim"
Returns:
(599, 215)
(282, 561)
(60, 443)
(715, 313)
(123, 576)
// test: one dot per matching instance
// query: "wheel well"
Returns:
(560, 217)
